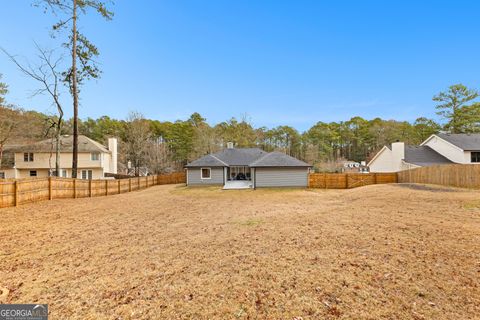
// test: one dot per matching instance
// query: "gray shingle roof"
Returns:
(207, 161)
(252, 157)
(424, 156)
(278, 159)
(85, 144)
(229, 157)
(465, 141)
(241, 156)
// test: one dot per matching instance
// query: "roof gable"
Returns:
(378, 155)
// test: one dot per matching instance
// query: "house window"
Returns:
(475, 156)
(63, 173)
(87, 174)
(33, 173)
(95, 156)
(2, 175)
(28, 157)
(206, 173)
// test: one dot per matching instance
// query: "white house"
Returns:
(439, 148)
(38, 159)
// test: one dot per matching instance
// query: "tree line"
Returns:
(164, 146)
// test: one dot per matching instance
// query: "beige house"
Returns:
(38, 159)
(441, 148)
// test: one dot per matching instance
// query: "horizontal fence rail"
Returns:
(348, 180)
(22, 191)
(454, 175)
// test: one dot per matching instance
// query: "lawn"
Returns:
(171, 252)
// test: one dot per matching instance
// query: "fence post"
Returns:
(90, 188)
(119, 188)
(16, 193)
(374, 178)
(49, 188)
(106, 187)
(74, 188)
(138, 183)
(129, 184)
(346, 180)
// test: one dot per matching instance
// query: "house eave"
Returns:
(377, 155)
(434, 135)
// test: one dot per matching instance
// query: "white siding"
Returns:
(383, 162)
(281, 177)
(194, 177)
(448, 150)
(468, 157)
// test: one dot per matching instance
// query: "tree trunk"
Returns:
(57, 152)
(74, 92)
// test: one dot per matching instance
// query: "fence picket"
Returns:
(20, 191)
(455, 175)
(348, 180)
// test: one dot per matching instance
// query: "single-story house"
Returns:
(241, 168)
(441, 148)
(38, 159)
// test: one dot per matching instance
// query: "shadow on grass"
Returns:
(428, 187)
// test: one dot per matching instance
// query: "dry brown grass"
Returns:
(169, 252)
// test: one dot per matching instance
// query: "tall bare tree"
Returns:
(81, 49)
(8, 118)
(137, 138)
(3, 91)
(46, 73)
(8, 123)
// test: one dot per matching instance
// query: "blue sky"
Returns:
(279, 62)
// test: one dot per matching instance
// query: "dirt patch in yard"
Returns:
(170, 252)
(429, 187)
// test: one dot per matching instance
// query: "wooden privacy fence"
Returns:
(348, 180)
(455, 175)
(21, 191)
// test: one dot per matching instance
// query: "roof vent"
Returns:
(229, 145)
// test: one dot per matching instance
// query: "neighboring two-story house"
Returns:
(438, 149)
(38, 159)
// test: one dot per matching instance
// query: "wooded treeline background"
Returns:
(163, 146)
(156, 147)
